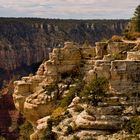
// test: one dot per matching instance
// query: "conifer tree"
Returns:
(135, 21)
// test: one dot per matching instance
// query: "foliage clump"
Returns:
(48, 134)
(93, 91)
(72, 91)
(69, 130)
(50, 88)
(133, 126)
(25, 131)
(135, 21)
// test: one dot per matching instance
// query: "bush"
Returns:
(73, 90)
(57, 120)
(48, 134)
(132, 35)
(133, 126)
(25, 131)
(50, 88)
(135, 21)
(94, 90)
(69, 130)
(116, 38)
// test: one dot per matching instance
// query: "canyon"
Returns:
(26, 42)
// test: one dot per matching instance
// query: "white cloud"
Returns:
(69, 8)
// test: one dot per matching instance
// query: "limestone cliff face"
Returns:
(36, 96)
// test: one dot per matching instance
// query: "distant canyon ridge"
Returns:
(26, 42)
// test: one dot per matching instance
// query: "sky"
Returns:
(69, 9)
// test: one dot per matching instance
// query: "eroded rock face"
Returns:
(35, 96)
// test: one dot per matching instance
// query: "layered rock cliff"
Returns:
(59, 106)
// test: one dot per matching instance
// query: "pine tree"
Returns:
(135, 21)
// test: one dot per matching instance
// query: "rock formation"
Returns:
(37, 96)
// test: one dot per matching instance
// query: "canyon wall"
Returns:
(28, 41)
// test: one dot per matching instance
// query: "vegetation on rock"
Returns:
(135, 21)
(133, 126)
(72, 92)
(93, 91)
(132, 32)
(48, 134)
(26, 130)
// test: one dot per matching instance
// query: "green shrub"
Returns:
(48, 134)
(133, 126)
(25, 131)
(69, 130)
(72, 91)
(67, 113)
(57, 120)
(50, 88)
(93, 91)
(135, 20)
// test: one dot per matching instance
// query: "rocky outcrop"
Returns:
(36, 96)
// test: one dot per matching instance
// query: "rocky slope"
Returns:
(59, 107)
